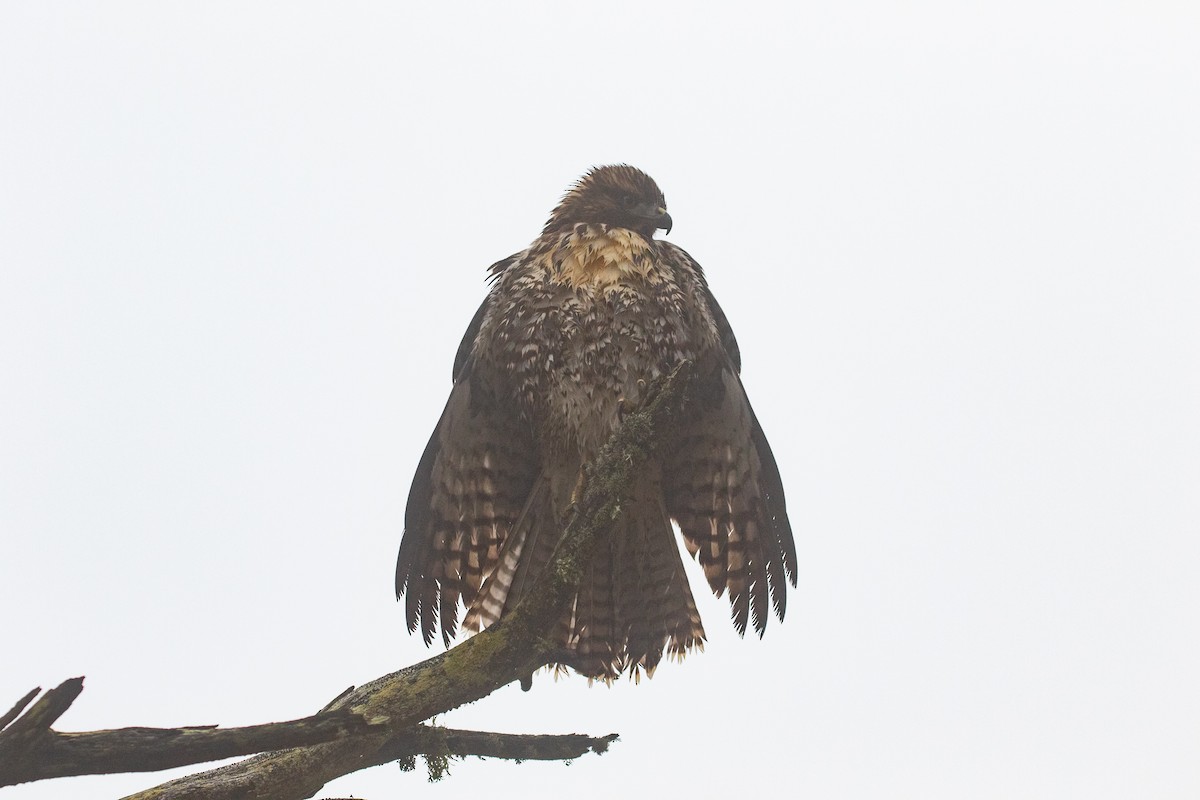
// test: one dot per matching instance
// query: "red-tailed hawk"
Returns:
(573, 330)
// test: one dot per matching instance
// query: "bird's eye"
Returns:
(628, 201)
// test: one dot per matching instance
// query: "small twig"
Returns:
(16, 710)
(333, 703)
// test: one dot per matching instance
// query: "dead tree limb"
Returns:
(31, 751)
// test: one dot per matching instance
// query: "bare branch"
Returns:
(30, 751)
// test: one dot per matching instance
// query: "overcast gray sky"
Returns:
(958, 243)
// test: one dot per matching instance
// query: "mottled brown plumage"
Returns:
(573, 330)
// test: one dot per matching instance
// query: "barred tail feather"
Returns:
(633, 603)
(528, 548)
(655, 607)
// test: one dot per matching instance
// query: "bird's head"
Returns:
(618, 195)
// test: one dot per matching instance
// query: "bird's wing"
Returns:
(469, 488)
(468, 339)
(728, 340)
(723, 486)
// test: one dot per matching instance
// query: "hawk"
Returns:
(573, 330)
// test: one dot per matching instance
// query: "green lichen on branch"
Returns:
(609, 481)
(437, 754)
(438, 766)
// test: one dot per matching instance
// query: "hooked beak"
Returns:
(656, 215)
(664, 221)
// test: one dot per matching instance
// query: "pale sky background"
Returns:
(958, 243)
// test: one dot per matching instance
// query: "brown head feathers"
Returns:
(618, 195)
